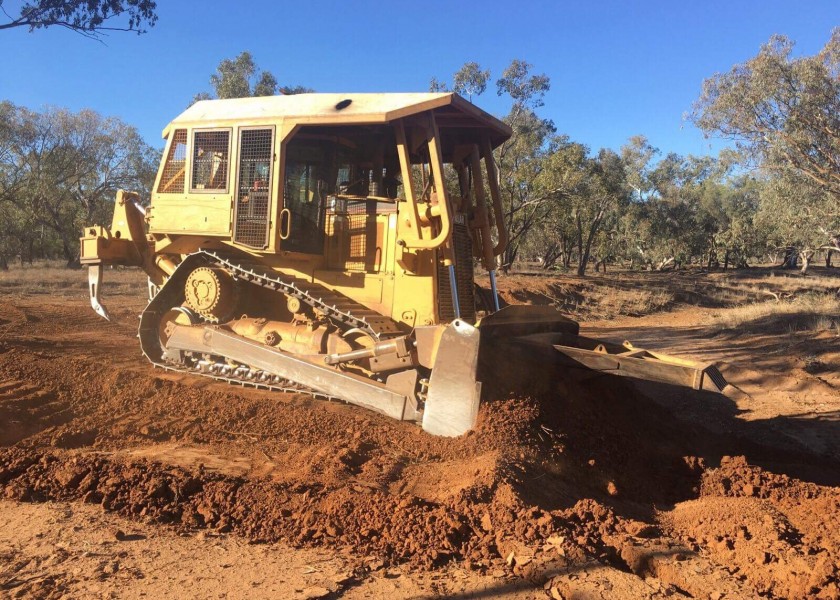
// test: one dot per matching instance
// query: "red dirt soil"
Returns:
(582, 486)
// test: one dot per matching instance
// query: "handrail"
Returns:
(495, 193)
(481, 216)
(414, 213)
(355, 198)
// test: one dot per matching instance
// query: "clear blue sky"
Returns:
(616, 68)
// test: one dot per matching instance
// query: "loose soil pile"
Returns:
(583, 484)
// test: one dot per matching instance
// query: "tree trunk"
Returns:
(583, 260)
(585, 250)
(601, 264)
(4, 264)
(70, 255)
(665, 263)
(791, 258)
(726, 260)
(806, 261)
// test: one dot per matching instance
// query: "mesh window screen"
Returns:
(210, 160)
(172, 180)
(253, 188)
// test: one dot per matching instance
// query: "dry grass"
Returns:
(811, 311)
(52, 277)
(590, 297)
(609, 303)
(805, 303)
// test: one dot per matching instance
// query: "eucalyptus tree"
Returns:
(240, 77)
(520, 159)
(605, 193)
(783, 113)
(470, 80)
(807, 226)
(60, 170)
(91, 18)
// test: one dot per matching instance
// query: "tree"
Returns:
(60, 171)
(562, 179)
(637, 155)
(520, 159)
(232, 78)
(782, 112)
(435, 85)
(605, 190)
(784, 115)
(525, 89)
(241, 78)
(470, 80)
(91, 18)
(806, 226)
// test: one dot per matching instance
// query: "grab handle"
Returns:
(285, 224)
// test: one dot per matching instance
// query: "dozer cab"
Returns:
(327, 243)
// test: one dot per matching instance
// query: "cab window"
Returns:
(210, 160)
(172, 178)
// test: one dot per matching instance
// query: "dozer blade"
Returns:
(634, 362)
(454, 394)
(519, 320)
(544, 326)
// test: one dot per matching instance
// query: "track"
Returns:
(339, 309)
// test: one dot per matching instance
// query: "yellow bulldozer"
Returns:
(327, 243)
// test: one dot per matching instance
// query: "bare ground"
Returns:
(125, 481)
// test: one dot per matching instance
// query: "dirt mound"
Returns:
(581, 475)
(780, 533)
(483, 524)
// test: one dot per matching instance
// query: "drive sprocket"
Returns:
(211, 292)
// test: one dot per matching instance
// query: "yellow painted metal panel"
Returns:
(179, 214)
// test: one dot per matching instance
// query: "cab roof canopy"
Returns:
(451, 112)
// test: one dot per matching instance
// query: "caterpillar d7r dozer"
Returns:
(327, 243)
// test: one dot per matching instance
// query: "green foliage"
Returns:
(435, 85)
(525, 89)
(60, 171)
(784, 115)
(783, 112)
(241, 78)
(88, 17)
(470, 80)
(521, 160)
(795, 213)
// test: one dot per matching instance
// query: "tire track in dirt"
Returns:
(27, 408)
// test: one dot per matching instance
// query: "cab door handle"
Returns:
(285, 224)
